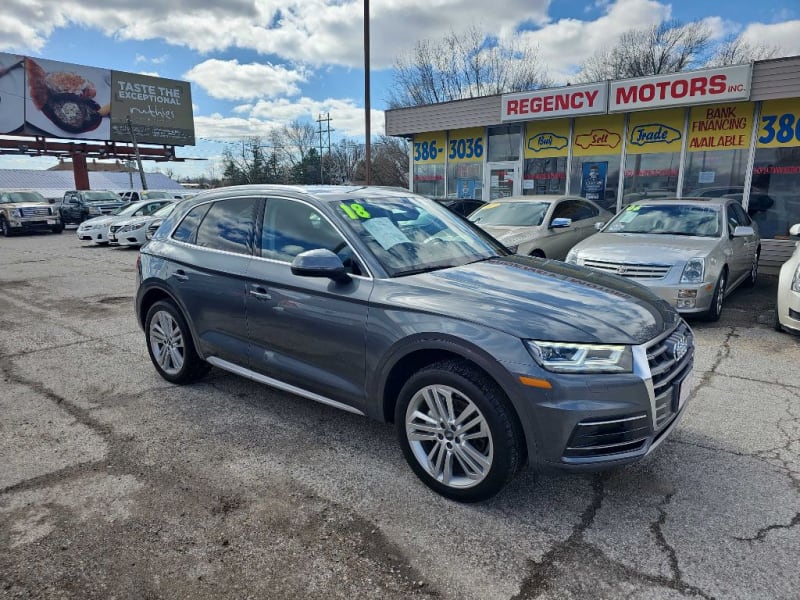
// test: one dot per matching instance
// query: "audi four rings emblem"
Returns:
(680, 347)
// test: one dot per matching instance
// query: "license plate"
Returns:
(112, 237)
(685, 390)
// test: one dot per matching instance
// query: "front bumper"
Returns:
(589, 422)
(703, 294)
(788, 301)
(38, 224)
(96, 236)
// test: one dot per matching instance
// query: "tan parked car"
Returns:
(692, 252)
(546, 226)
(26, 210)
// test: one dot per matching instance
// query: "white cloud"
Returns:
(785, 35)
(229, 80)
(347, 119)
(564, 44)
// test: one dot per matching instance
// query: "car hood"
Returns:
(133, 220)
(104, 220)
(539, 299)
(506, 233)
(644, 247)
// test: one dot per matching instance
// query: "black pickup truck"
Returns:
(78, 205)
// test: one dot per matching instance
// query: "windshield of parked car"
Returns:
(413, 234)
(668, 219)
(165, 210)
(518, 214)
(11, 197)
(129, 209)
(155, 195)
(101, 196)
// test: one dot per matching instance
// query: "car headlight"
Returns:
(17, 212)
(796, 280)
(566, 357)
(93, 210)
(572, 257)
(136, 226)
(694, 271)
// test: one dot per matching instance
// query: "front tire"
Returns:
(170, 344)
(5, 227)
(715, 310)
(58, 228)
(458, 432)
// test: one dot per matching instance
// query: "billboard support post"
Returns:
(80, 171)
(136, 152)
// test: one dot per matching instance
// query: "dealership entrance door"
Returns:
(503, 180)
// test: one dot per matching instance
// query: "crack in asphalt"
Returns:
(761, 534)
(723, 353)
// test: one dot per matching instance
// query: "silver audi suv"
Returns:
(386, 304)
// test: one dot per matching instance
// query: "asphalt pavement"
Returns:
(116, 484)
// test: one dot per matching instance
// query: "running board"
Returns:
(227, 366)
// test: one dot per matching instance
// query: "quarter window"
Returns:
(187, 230)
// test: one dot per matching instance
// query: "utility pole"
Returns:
(136, 152)
(327, 120)
(367, 132)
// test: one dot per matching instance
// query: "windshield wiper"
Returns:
(419, 270)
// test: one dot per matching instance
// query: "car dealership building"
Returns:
(732, 131)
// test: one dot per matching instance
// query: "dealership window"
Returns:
(504, 143)
(774, 202)
(466, 149)
(650, 176)
(596, 147)
(707, 173)
(545, 176)
(429, 180)
(465, 180)
(653, 154)
(775, 193)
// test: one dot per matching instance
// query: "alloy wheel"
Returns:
(449, 436)
(166, 342)
(720, 292)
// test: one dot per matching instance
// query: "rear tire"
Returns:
(58, 228)
(458, 432)
(170, 344)
(752, 279)
(715, 310)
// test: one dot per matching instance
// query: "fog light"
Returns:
(686, 303)
(687, 293)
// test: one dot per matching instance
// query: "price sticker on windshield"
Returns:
(355, 211)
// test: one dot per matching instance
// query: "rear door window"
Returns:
(229, 225)
(187, 230)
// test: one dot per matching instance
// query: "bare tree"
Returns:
(735, 50)
(389, 163)
(292, 142)
(464, 65)
(345, 156)
(665, 48)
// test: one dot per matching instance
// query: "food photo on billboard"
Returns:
(67, 100)
(12, 93)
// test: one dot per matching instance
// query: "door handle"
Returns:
(260, 293)
(181, 275)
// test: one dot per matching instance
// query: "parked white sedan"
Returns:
(545, 226)
(96, 230)
(788, 308)
(132, 231)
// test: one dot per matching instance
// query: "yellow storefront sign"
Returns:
(779, 124)
(547, 139)
(650, 132)
(596, 136)
(430, 148)
(720, 127)
(466, 145)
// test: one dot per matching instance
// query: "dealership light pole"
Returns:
(136, 152)
(367, 133)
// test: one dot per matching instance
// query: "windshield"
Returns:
(129, 209)
(667, 219)
(155, 195)
(11, 197)
(165, 210)
(517, 214)
(101, 196)
(413, 234)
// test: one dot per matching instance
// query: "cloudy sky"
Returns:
(255, 64)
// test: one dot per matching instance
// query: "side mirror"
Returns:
(599, 225)
(795, 230)
(560, 223)
(320, 263)
(743, 231)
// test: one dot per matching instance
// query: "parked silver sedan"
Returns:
(545, 226)
(787, 315)
(691, 252)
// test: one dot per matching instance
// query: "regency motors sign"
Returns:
(547, 104)
(41, 97)
(680, 89)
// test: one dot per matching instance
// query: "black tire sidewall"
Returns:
(713, 313)
(503, 464)
(191, 360)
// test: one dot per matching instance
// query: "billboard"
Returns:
(65, 100)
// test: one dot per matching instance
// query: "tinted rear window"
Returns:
(229, 226)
